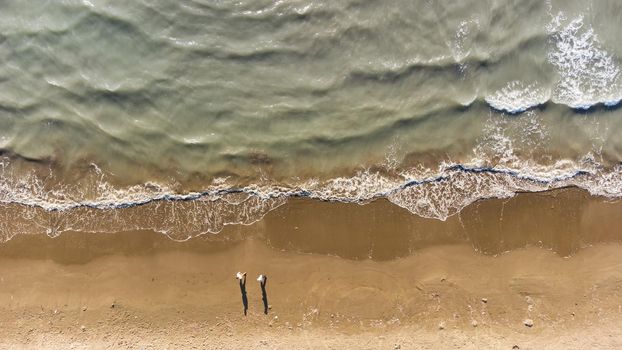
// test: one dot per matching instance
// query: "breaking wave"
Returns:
(588, 74)
(26, 207)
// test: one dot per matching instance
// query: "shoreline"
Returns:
(563, 220)
(347, 274)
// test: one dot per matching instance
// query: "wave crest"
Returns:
(183, 216)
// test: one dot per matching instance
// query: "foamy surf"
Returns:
(183, 216)
(518, 97)
(588, 73)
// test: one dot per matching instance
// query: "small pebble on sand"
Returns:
(441, 325)
(83, 328)
(474, 323)
(528, 322)
(84, 308)
(484, 300)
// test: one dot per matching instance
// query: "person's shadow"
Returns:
(243, 291)
(264, 295)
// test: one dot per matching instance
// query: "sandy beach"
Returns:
(350, 286)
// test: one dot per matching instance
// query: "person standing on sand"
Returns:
(264, 296)
(241, 277)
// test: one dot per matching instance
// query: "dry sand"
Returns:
(339, 276)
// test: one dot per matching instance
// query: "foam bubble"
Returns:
(182, 217)
(517, 97)
(463, 40)
(588, 74)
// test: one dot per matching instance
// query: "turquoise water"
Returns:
(431, 104)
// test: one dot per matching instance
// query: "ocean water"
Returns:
(186, 116)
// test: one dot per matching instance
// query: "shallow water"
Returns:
(233, 107)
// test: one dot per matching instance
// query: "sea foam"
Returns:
(588, 73)
(437, 195)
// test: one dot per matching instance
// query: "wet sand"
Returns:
(339, 276)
